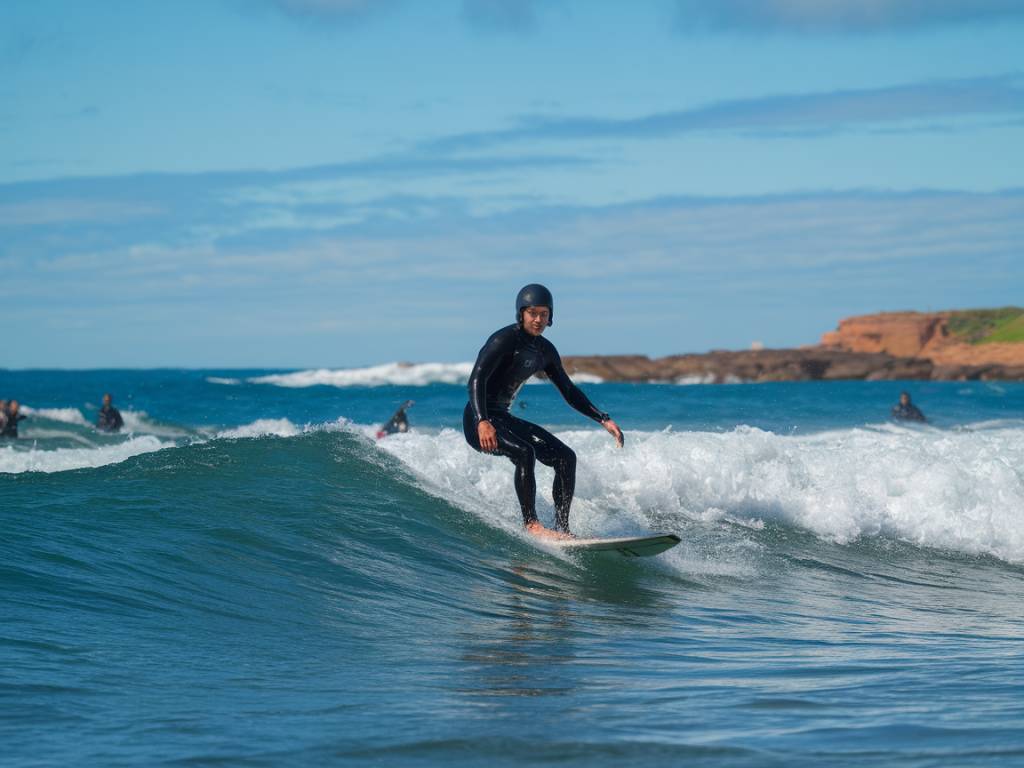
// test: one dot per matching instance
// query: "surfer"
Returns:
(109, 418)
(508, 358)
(905, 410)
(398, 422)
(10, 428)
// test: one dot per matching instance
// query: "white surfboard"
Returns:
(628, 546)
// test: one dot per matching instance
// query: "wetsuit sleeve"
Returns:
(118, 421)
(487, 361)
(573, 395)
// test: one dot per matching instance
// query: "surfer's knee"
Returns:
(567, 459)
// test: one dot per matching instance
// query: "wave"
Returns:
(64, 415)
(954, 491)
(404, 374)
(395, 374)
(15, 460)
(262, 428)
(959, 490)
(706, 378)
(135, 422)
(222, 380)
(139, 422)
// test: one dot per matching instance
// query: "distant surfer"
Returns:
(109, 418)
(508, 358)
(905, 410)
(13, 414)
(398, 422)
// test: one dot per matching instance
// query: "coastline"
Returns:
(956, 345)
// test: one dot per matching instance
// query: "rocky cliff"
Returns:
(978, 344)
(959, 344)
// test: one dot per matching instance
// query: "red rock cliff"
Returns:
(924, 336)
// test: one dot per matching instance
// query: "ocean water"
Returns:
(247, 577)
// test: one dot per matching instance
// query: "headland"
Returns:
(954, 345)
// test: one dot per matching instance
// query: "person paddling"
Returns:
(905, 410)
(509, 357)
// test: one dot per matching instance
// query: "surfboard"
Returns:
(628, 546)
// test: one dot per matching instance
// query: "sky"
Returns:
(338, 183)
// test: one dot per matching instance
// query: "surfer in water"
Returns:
(109, 418)
(508, 358)
(13, 415)
(398, 422)
(905, 410)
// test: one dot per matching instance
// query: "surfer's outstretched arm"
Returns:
(575, 397)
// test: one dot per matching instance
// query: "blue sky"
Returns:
(293, 183)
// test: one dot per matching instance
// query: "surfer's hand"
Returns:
(488, 436)
(614, 431)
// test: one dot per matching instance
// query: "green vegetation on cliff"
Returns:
(981, 326)
(1011, 331)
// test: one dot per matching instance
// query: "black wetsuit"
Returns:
(506, 361)
(11, 426)
(109, 419)
(908, 412)
(398, 422)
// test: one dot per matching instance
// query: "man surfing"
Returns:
(508, 358)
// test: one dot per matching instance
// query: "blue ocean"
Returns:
(247, 576)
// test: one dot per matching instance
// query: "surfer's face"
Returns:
(535, 320)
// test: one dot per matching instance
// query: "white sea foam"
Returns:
(707, 378)
(135, 422)
(262, 428)
(584, 378)
(225, 381)
(138, 422)
(404, 374)
(65, 415)
(15, 459)
(961, 491)
(399, 374)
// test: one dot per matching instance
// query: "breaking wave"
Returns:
(393, 374)
(958, 491)
(403, 374)
(16, 460)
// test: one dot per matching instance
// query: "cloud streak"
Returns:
(809, 114)
(515, 16)
(838, 16)
(669, 263)
(342, 11)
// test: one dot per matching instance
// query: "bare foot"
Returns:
(538, 530)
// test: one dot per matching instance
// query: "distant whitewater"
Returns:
(388, 374)
(398, 374)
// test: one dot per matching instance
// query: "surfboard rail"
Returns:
(627, 546)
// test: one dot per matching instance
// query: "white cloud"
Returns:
(839, 16)
(57, 211)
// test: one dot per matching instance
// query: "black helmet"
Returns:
(534, 295)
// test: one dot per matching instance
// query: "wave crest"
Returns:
(403, 374)
(16, 461)
(957, 491)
